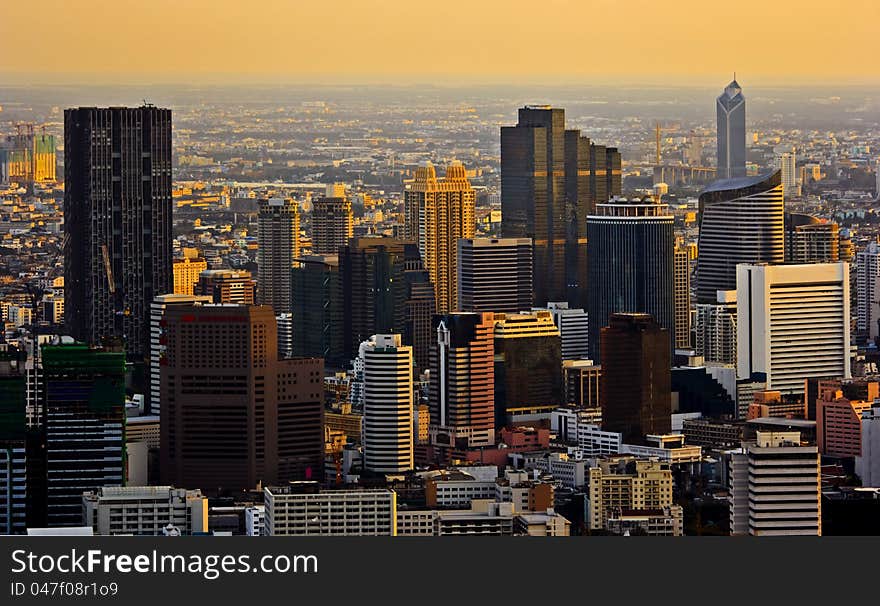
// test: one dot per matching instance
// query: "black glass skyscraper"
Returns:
(630, 253)
(731, 109)
(117, 217)
(551, 179)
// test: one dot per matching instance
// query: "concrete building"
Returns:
(626, 484)
(157, 342)
(227, 286)
(438, 212)
(574, 330)
(839, 420)
(495, 275)
(304, 509)
(775, 487)
(665, 522)
(793, 323)
(583, 381)
(811, 240)
(715, 329)
(388, 404)
(278, 238)
(145, 510)
(254, 520)
(868, 461)
(867, 295)
(681, 293)
(186, 274)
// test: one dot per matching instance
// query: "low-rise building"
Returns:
(304, 509)
(145, 510)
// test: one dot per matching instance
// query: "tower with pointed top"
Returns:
(731, 111)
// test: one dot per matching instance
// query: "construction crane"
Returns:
(108, 269)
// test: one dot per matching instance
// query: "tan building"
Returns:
(626, 484)
(438, 213)
(227, 286)
(186, 274)
(279, 247)
(681, 293)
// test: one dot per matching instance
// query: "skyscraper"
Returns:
(388, 404)
(15, 491)
(186, 274)
(775, 487)
(788, 170)
(681, 293)
(495, 274)
(528, 364)
(317, 309)
(715, 329)
(636, 394)
(630, 253)
(741, 221)
(233, 415)
(793, 323)
(731, 114)
(84, 412)
(378, 277)
(811, 240)
(462, 381)
(867, 282)
(278, 240)
(117, 217)
(551, 178)
(332, 223)
(438, 213)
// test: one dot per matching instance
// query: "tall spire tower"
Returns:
(731, 111)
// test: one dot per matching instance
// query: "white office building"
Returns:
(304, 509)
(775, 487)
(145, 510)
(574, 329)
(867, 280)
(254, 517)
(388, 404)
(793, 323)
(868, 464)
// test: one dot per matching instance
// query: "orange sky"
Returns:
(690, 41)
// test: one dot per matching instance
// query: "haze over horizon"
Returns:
(454, 42)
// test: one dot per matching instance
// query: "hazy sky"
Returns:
(687, 41)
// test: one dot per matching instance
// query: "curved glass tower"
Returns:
(741, 221)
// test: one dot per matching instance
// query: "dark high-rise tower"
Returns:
(631, 264)
(117, 217)
(551, 178)
(636, 377)
(731, 109)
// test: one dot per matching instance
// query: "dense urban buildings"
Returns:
(630, 252)
(741, 221)
(117, 220)
(227, 286)
(438, 212)
(495, 275)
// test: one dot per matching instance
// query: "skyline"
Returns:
(346, 41)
